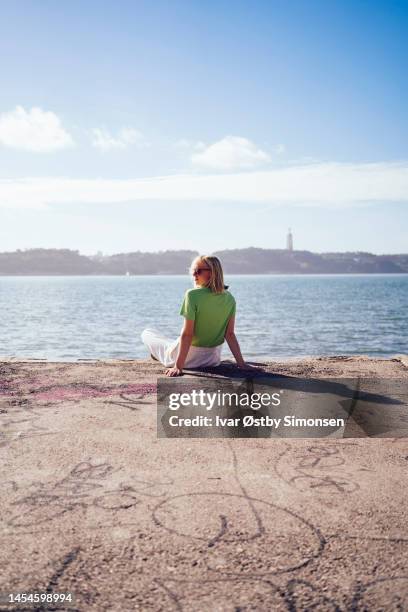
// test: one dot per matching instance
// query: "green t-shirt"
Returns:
(211, 313)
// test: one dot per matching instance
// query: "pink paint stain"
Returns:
(73, 392)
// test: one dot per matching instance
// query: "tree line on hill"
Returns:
(31, 262)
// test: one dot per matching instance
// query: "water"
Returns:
(66, 318)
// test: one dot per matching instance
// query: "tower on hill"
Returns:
(289, 241)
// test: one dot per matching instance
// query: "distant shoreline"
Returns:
(66, 262)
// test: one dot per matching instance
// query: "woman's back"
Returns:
(210, 311)
(209, 319)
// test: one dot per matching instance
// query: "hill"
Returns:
(251, 260)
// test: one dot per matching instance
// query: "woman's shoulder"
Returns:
(196, 291)
(229, 294)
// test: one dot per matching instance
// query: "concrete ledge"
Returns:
(94, 503)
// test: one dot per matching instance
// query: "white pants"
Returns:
(166, 350)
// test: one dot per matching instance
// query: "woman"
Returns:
(209, 319)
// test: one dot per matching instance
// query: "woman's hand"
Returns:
(174, 371)
(185, 342)
(246, 366)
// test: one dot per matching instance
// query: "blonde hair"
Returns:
(216, 280)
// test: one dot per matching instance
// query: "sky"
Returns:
(210, 125)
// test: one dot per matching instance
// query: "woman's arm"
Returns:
(233, 343)
(185, 342)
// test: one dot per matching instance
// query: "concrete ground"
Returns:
(95, 504)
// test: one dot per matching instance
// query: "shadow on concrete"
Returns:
(375, 407)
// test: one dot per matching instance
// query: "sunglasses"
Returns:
(199, 270)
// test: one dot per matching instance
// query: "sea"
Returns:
(65, 318)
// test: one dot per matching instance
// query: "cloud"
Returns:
(33, 130)
(231, 153)
(314, 184)
(105, 141)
